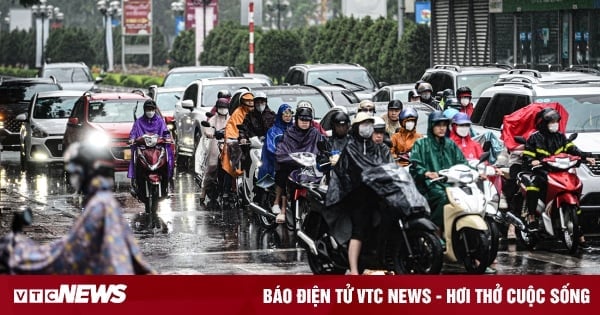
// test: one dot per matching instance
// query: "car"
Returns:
(15, 96)
(72, 76)
(340, 95)
(393, 92)
(106, 119)
(166, 99)
(260, 76)
(581, 99)
(182, 76)
(292, 94)
(477, 78)
(44, 126)
(199, 98)
(352, 76)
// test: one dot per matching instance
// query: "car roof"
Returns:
(60, 93)
(65, 65)
(544, 88)
(285, 89)
(318, 66)
(162, 89)
(116, 95)
(400, 86)
(198, 69)
(16, 81)
(470, 69)
(534, 76)
(227, 80)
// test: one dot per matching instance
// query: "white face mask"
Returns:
(366, 130)
(462, 131)
(465, 101)
(553, 127)
(150, 114)
(260, 108)
(223, 111)
(409, 125)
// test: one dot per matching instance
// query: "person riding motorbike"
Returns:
(425, 93)
(150, 123)
(392, 122)
(367, 107)
(256, 124)
(99, 242)
(547, 140)
(336, 143)
(221, 94)
(465, 96)
(346, 188)
(404, 139)
(460, 133)
(429, 155)
(447, 98)
(413, 96)
(379, 133)
(217, 121)
(302, 136)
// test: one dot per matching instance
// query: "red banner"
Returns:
(137, 17)
(190, 12)
(459, 294)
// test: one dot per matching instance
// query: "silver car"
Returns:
(44, 125)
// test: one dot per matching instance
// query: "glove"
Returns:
(334, 159)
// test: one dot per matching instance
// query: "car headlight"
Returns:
(37, 132)
(98, 138)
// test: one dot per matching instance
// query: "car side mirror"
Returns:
(98, 80)
(73, 121)
(189, 104)
(383, 83)
(205, 123)
(21, 117)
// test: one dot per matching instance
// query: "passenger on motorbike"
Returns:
(367, 107)
(379, 133)
(347, 192)
(218, 122)
(429, 155)
(425, 93)
(547, 140)
(460, 133)
(256, 124)
(336, 143)
(391, 118)
(302, 136)
(150, 123)
(232, 153)
(465, 96)
(221, 94)
(404, 139)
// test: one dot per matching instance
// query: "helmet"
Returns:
(260, 95)
(149, 104)
(362, 116)
(222, 103)
(395, 104)
(418, 83)
(463, 90)
(425, 86)
(451, 101)
(247, 96)
(437, 116)
(461, 119)
(448, 93)
(408, 113)
(304, 110)
(340, 118)
(545, 116)
(378, 124)
(85, 160)
(366, 106)
(412, 93)
(223, 94)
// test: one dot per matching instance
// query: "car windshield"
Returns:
(166, 101)
(584, 111)
(209, 92)
(343, 97)
(54, 107)
(69, 74)
(477, 82)
(319, 102)
(352, 79)
(17, 93)
(115, 111)
(184, 78)
(401, 95)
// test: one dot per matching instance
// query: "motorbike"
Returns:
(152, 175)
(557, 212)
(466, 232)
(402, 239)
(215, 191)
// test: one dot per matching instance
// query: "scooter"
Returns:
(467, 235)
(215, 190)
(402, 239)
(557, 212)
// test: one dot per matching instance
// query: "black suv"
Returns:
(477, 78)
(15, 96)
(351, 76)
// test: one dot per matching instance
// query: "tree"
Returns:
(276, 51)
(183, 50)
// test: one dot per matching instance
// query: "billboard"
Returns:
(190, 12)
(423, 12)
(137, 17)
(361, 8)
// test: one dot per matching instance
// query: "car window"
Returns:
(480, 107)
(401, 95)
(209, 92)
(68, 74)
(54, 107)
(584, 111)
(115, 111)
(477, 82)
(343, 97)
(296, 78)
(352, 79)
(185, 78)
(501, 104)
(318, 101)
(381, 96)
(191, 93)
(166, 100)
(23, 92)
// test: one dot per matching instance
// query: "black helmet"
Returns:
(437, 116)
(304, 110)
(463, 90)
(149, 104)
(425, 86)
(340, 118)
(447, 93)
(222, 103)
(412, 93)
(545, 116)
(86, 160)
(395, 104)
(223, 94)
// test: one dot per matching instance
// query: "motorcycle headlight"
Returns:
(98, 138)
(170, 126)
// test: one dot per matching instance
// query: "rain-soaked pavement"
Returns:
(201, 241)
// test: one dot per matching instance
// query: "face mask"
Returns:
(465, 101)
(365, 130)
(425, 96)
(553, 127)
(150, 114)
(463, 131)
(410, 125)
(260, 108)
(223, 111)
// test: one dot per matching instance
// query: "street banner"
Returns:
(137, 17)
(289, 295)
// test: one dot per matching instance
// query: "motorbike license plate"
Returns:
(127, 154)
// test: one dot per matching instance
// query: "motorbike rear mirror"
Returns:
(520, 139)
(205, 123)
(487, 146)
(572, 136)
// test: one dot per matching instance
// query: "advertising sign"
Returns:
(190, 12)
(423, 12)
(137, 17)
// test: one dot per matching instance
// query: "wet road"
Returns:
(201, 241)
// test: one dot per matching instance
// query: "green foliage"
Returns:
(18, 72)
(148, 81)
(276, 51)
(112, 79)
(133, 81)
(182, 53)
(61, 38)
(414, 52)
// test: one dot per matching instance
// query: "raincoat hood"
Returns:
(279, 118)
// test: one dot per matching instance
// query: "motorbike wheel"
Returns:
(472, 247)
(494, 237)
(292, 221)
(152, 208)
(571, 234)
(265, 200)
(427, 254)
(319, 264)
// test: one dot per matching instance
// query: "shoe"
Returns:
(276, 209)
(490, 271)
(280, 219)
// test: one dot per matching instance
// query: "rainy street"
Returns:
(201, 241)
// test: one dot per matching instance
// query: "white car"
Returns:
(44, 125)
